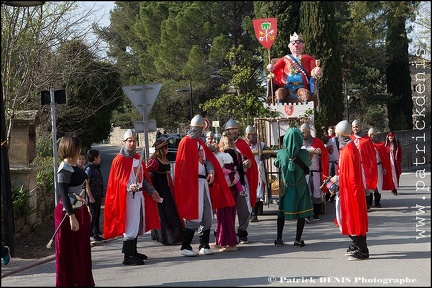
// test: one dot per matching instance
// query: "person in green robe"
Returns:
(294, 196)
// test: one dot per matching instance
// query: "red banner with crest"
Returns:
(265, 31)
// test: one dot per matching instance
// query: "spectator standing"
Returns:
(96, 192)
(351, 212)
(130, 203)
(248, 178)
(394, 149)
(72, 246)
(196, 169)
(318, 168)
(159, 167)
(294, 199)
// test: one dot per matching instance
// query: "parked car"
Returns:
(173, 142)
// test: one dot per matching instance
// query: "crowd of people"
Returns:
(222, 179)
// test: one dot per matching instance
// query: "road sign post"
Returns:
(143, 97)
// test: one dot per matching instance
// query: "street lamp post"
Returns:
(190, 97)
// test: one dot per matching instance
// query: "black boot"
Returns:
(377, 199)
(139, 255)
(254, 213)
(129, 251)
(188, 235)
(362, 253)
(260, 208)
(368, 200)
(204, 247)
(394, 192)
(316, 209)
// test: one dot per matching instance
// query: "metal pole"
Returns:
(146, 142)
(54, 143)
(191, 108)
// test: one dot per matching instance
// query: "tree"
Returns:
(398, 74)
(320, 31)
(31, 61)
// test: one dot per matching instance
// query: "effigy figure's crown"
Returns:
(295, 37)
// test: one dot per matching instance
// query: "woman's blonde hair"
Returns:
(226, 141)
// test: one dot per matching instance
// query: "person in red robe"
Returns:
(368, 160)
(248, 178)
(131, 200)
(351, 213)
(394, 150)
(200, 188)
(385, 181)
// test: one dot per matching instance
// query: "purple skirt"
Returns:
(73, 250)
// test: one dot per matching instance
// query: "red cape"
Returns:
(252, 172)
(282, 68)
(351, 192)
(368, 161)
(186, 180)
(115, 201)
(385, 163)
(317, 143)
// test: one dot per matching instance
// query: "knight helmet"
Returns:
(129, 134)
(343, 128)
(231, 124)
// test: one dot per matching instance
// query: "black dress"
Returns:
(171, 231)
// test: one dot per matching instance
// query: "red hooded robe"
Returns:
(385, 162)
(115, 201)
(252, 172)
(354, 218)
(368, 160)
(186, 180)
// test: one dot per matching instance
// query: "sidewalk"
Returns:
(399, 242)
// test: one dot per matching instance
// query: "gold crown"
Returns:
(295, 37)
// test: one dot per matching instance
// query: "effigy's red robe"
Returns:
(252, 172)
(186, 180)
(282, 69)
(353, 211)
(385, 162)
(368, 161)
(115, 200)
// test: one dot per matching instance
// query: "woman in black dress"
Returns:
(159, 167)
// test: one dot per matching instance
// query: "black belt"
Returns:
(202, 176)
(379, 163)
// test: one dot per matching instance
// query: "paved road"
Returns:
(399, 240)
